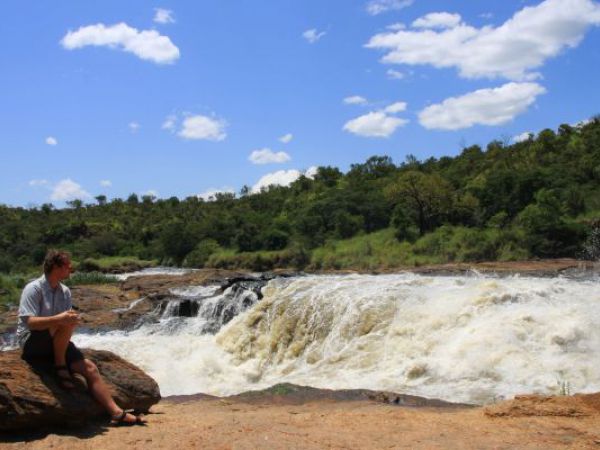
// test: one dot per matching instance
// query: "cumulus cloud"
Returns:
(355, 100)
(51, 141)
(378, 124)
(163, 16)
(287, 138)
(211, 193)
(146, 44)
(311, 172)
(268, 156)
(281, 178)
(522, 137)
(482, 107)
(439, 20)
(105, 183)
(374, 124)
(203, 127)
(313, 35)
(134, 127)
(67, 189)
(375, 7)
(38, 182)
(512, 50)
(395, 108)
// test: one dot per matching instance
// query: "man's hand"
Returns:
(69, 318)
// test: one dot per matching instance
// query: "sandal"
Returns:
(119, 419)
(64, 378)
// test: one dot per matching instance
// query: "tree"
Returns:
(427, 199)
(101, 199)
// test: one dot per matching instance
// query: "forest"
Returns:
(538, 198)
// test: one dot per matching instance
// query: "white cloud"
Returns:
(375, 7)
(439, 20)
(395, 74)
(287, 138)
(268, 156)
(522, 137)
(134, 127)
(146, 44)
(355, 100)
(203, 127)
(51, 141)
(374, 124)
(487, 15)
(67, 189)
(311, 172)
(395, 108)
(313, 35)
(163, 16)
(282, 178)
(279, 178)
(169, 123)
(151, 193)
(482, 107)
(37, 182)
(210, 194)
(105, 183)
(511, 50)
(396, 26)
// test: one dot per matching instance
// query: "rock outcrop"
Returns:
(30, 397)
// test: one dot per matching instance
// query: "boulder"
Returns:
(31, 398)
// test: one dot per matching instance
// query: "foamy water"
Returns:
(153, 271)
(468, 338)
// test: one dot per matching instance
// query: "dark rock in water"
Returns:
(292, 394)
(30, 397)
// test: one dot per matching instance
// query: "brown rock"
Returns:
(538, 405)
(30, 397)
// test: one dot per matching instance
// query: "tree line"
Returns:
(538, 198)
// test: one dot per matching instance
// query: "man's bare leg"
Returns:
(61, 336)
(99, 389)
(60, 340)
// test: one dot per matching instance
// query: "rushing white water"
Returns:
(153, 271)
(462, 338)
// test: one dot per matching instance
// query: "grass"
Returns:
(379, 250)
(115, 264)
(79, 278)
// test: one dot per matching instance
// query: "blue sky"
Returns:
(188, 97)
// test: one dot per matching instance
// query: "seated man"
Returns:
(46, 323)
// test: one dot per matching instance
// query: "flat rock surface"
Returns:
(234, 423)
(30, 397)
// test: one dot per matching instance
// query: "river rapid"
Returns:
(470, 338)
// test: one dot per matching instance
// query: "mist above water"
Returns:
(461, 338)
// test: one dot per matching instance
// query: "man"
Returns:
(46, 324)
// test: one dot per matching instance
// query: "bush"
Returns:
(199, 256)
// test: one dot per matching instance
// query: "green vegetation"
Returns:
(539, 198)
(79, 278)
(114, 264)
(10, 290)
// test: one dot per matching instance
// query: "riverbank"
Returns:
(270, 420)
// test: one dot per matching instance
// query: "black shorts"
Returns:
(39, 348)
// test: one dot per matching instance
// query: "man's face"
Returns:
(64, 271)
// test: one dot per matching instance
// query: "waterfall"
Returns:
(471, 338)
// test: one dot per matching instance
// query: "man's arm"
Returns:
(62, 319)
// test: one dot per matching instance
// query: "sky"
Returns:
(182, 98)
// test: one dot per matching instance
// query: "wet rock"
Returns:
(31, 399)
